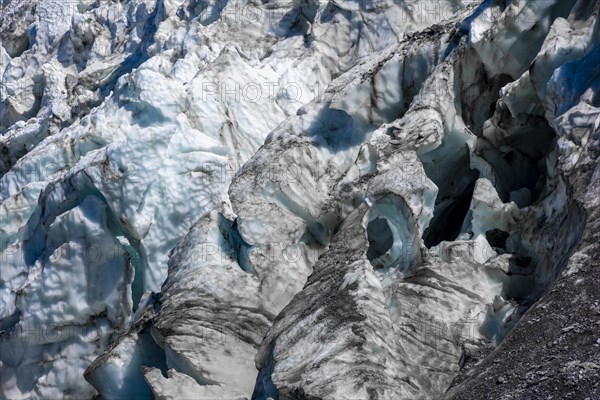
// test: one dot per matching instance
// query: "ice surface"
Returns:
(229, 199)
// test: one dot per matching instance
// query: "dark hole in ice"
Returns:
(497, 238)
(448, 166)
(517, 262)
(380, 238)
(448, 218)
(519, 162)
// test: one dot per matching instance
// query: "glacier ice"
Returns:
(231, 199)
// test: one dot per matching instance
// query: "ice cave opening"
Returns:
(391, 235)
(380, 237)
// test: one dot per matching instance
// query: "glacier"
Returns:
(228, 199)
